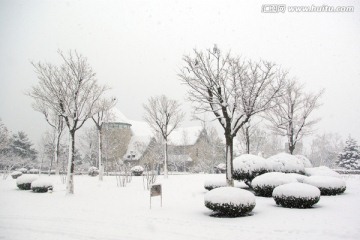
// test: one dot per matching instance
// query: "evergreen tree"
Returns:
(22, 147)
(350, 157)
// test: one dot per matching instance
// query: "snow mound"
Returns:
(272, 179)
(230, 195)
(296, 190)
(248, 166)
(26, 178)
(16, 174)
(23, 170)
(306, 162)
(34, 171)
(137, 169)
(221, 166)
(325, 182)
(296, 195)
(250, 163)
(327, 185)
(321, 171)
(42, 183)
(284, 162)
(210, 184)
(300, 178)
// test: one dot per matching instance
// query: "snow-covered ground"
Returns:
(101, 210)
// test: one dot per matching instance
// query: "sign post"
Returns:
(156, 190)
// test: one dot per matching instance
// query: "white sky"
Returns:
(136, 47)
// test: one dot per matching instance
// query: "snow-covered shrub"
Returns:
(248, 166)
(137, 170)
(93, 171)
(16, 174)
(42, 185)
(321, 171)
(264, 185)
(299, 177)
(286, 163)
(34, 171)
(220, 168)
(327, 185)
(230, 201)
(296, 195)
(210, 184)
(24, 182)
(305, 161)
(23, 170)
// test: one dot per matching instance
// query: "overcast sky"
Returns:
(136, 47)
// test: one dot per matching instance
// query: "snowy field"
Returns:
(101, 210)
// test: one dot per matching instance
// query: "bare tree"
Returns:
(56, 122)
(163, 115)
(290, 116)
(252, 138)
(232, 89)
(104, 105)
(72, 92)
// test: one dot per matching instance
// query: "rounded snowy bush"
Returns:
(264, 185)
(93, 171)
(210, 184)
(230, 201)
(23, 170)
(137, 170)
(42, 185)
(16, 174)
(220, 168)
(299, 177)
(296, 195)
(305, 161)
(327, 185)
(24, 182)
(248, 166)
(34, 171)
(286, 163)
(321, 171)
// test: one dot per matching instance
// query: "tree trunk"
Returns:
(52, 160)
(165, 161)
(247, 135)
(229, 160)
(70, 170)
(57, 153)
(101, 168)
(291, 148)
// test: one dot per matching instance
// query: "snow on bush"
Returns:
(296, 195)
(24, 182)
(321, 171)
(264, 185)
(286, 163)
(210, 184)
(300, 178)
(137, 170)
(42, 185)
(16, 174)
(220, 168)
(230, 201)
(305, 161)
(248, 166)
(327, 185)
(93, 171)
(23, 170)
(34, 171)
